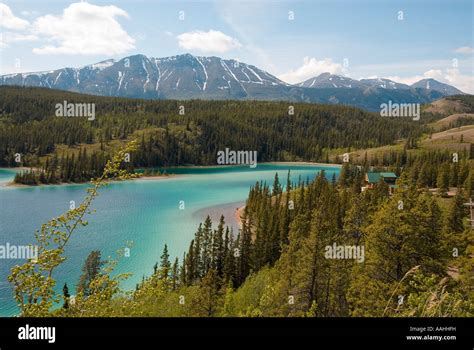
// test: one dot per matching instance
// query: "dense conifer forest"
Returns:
(418, 258)
(74, 149)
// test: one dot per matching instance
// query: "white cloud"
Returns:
(9, 20)
(451, 76)
(84, 29)
(12, 28)
(211, 41)
(465, 50)
(465, 83)
(433, 73)
(311, 67)
(11, 37)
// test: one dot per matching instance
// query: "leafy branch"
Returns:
(33, 282)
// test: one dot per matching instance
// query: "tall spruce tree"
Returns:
(165, 265)
(90, 270)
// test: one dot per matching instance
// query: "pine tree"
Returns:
(175, 275)
(355, 219)
(424, 176)
(344, 175)
(456, 214)
(198, 266)
(206, 246)
(218, 247)
(454, 175)
(90, 270)
(182, 272)
(285, 219)
(442, 181)
(165, 265)
(387, 237)
(276, 186)
(191, 265)
(424, 244)
(244, 252)
(66, 296)
(209, 295)
(229, 268)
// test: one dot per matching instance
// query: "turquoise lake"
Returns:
(144, 211)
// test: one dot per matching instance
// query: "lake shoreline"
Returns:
(328, 165)
(335, 165)
(12, 184)
(159, 177)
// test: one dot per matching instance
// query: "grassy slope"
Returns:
(445, 111)
(445, 123)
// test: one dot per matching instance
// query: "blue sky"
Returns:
(359, 39)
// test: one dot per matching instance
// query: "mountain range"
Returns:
(194, 77)
(327, 80)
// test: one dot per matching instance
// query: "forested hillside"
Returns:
(75, 149)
